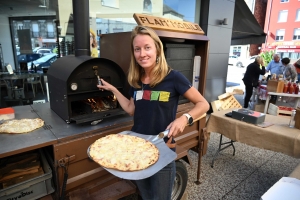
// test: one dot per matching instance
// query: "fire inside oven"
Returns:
(94, 105)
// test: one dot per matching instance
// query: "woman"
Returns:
(155, 91)
(289, 72)
(297, 67)
(93, 44)
(251, 78)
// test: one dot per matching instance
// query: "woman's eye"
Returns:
(137, 50)
(147, 48)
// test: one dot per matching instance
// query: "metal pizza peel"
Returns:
(166, 156)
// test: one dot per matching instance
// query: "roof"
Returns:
(246, 29)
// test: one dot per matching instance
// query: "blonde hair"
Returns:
(259, 60)
(160, 70)
(94, 44)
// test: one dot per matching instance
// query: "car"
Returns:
(248, 61)
(25, 58)
(234, 60)
(44, 51)
(43, 62)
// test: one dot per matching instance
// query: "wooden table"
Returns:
(278, 137)
(281, 94)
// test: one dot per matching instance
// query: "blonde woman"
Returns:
(155, 91)
(251, 77)
(93, 44)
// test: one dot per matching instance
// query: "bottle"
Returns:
(291, 89)
(285, 88)
(296, 89)
(292, 120)
(289, 85)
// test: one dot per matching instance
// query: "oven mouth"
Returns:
(95, 108)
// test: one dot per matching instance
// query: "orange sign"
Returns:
(285, 43)
(167, 24)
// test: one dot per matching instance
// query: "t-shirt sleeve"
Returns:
(182, 84)
(131, 92)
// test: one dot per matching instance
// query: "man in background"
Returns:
(275, 66)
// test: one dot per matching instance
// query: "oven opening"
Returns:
(94, 105)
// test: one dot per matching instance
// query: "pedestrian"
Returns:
(289, 72)
(251, 78)
(275, 66)
(297, 67)
(154, 95)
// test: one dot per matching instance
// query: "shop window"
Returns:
(282, 17)
(294, 55)
(50, 30)
(298, 15)
(35, 30)
(280, 35)
(296, 34)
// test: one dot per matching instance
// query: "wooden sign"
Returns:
(167, 24)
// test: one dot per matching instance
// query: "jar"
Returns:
(285, 88)
(291, 89)
(292, 120)
(296, 89)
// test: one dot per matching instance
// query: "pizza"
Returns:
(124, 152)
(21, 125)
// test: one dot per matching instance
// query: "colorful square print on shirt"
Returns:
(164, 96)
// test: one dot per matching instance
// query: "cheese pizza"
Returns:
(124, 152)
(21, 125)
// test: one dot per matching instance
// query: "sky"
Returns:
(184, 7)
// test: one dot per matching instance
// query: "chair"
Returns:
(34, 80)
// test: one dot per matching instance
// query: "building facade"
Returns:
(282, 25)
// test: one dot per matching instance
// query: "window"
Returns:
(282, 17)
(283, 1)
(296, 34)
(280, 35)
(298, 15)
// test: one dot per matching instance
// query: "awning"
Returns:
(246, 29)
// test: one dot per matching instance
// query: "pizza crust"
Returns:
(21, 125)
(124, 152)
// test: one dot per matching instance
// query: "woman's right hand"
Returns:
(106, 86)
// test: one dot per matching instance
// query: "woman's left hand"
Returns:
(177, 126)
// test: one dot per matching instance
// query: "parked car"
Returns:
(235, 61)
(25, 58)
(248, 61)
(43, 62)
(44, 51)
(239, 62)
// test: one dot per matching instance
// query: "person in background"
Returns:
(93, 44)
(275, 66)
(289, 72)
(251, 78)
(297, 67)
(155, 90)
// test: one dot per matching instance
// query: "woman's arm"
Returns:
(200, 108)
(126, 104)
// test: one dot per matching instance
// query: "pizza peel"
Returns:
(166, 155)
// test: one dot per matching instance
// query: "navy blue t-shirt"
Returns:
(155, 108)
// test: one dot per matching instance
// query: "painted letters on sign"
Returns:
(167, 24)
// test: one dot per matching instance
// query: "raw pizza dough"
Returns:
(21, 125)
(124, 152)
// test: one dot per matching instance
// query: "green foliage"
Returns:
(267, 56)
(54, 50)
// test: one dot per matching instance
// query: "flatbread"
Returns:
(21, 125)
(124, 152)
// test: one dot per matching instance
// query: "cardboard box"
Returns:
(275, 86)
(249, 116)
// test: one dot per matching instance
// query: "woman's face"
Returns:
(145, 52)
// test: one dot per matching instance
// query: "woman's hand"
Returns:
(106, 86)
(177, 126)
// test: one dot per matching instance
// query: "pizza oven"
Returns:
(73, 91)
(73, 79)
